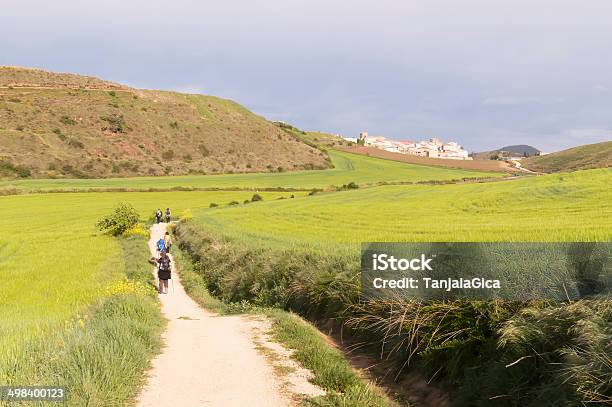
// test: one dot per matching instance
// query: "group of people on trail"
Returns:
(164, 263)
(159, 215)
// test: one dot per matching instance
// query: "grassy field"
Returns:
(348, 168)
(570, 207)
(56, 267)
(100, 354)
(54, 262)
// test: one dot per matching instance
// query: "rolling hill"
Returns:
(520, 150)
(589, 156)
(56, 125)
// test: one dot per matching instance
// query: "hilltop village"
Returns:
(433, 148)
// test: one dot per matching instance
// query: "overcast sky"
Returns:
(486, 73)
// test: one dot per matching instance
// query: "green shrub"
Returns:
(256, 197)
(9, 169)
(123, 218)
(75, 172)
(174, 125)
(116, 124)
(204, 151)
(168, 155)
(67, 121)
(234, 203)
(213, 205)
(75, 143)
(23, 172)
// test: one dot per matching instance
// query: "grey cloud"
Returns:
(502, 101)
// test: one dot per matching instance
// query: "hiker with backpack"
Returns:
(161, 245)
(164, 272)
(167, 215)
(158, 215)
(168, 242)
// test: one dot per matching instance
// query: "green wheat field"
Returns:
(565, 207)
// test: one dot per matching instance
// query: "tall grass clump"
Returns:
(279, 278)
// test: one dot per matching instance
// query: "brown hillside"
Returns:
(585, 157)
(65, 125)
(479, 165)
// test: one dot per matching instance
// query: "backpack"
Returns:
(161, 244)
(164, 264)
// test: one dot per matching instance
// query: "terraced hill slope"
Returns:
(69, 126)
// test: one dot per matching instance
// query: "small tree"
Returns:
(123, 218)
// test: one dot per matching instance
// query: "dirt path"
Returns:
(208, 360)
